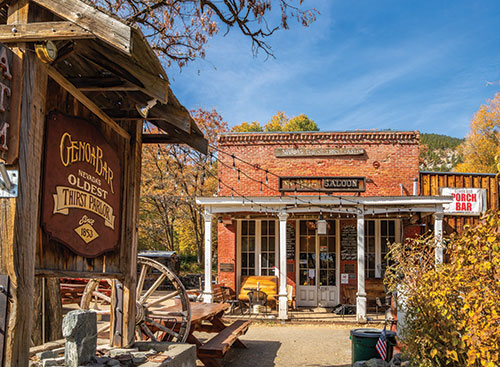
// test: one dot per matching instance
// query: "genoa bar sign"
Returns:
(322, 184)
(82, 187)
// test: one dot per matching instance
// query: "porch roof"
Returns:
(337, 204)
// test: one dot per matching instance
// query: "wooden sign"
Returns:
(10, 104)
(322, 184)
(316, 152)
(82, 187)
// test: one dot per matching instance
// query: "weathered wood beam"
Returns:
(107, 28)
(124, 67)
(65, 83)
(195, 141)
(160, 139)
(43, 31)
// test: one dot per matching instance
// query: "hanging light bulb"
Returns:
(238, 175)
(267, 180)
(234, 163)
(261, 187)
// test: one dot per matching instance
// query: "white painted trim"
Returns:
(337, 259)
(378, 247)
(238, 254)
(258, 243)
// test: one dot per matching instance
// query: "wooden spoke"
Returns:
(140, 281)
(162, 328)
(103, 328)
(101, 296)
(150, 291)
(148, 332)
(162, 299)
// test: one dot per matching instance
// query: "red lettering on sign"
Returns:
(469, 207)
(474, 197)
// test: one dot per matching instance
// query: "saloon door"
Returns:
(317, 266)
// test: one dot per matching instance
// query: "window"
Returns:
(388, 235)
(378, 234)
(370, 252)
(247, 247)
(268, 247)
(258, 247)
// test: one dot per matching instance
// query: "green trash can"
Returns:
(363, 342)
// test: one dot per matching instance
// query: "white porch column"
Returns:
(361, 295)
(207, 292)
(438, 236)
(283, 299)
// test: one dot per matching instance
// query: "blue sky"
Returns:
(400, 64)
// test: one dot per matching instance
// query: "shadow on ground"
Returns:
(260, 353)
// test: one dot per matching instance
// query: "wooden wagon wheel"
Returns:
(154, 320)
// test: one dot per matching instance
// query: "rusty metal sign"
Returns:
(10, 104)
(82, 187)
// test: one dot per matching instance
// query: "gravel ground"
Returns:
(293, 346)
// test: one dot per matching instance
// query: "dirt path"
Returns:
(293, 346)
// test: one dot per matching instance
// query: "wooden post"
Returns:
(131, 211)
(438, 237)
(283, 299)
(361, 295)
(207, 293)
(20, 216)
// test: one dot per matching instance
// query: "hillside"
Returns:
(438, 153)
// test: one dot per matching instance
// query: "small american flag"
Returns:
(382, 345)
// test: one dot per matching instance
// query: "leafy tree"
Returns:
(277, 122)
(172, 177)
(245, 127)
(300, 123)
(180, 29)
(482, 143)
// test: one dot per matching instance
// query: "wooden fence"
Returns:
(431, 182)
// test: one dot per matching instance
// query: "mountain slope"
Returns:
(439, 153)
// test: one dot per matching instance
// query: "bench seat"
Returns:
(218, 346)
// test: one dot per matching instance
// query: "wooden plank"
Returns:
(124, 67)
(194, 141)
(160, 139)
(42, 31)
(220, 344)
(128, 255)
(21, 215)
(107, 28)
(63, 82)
(76, 274)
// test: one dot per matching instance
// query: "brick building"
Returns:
(316, 209)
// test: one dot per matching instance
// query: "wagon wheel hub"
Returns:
(139, 313)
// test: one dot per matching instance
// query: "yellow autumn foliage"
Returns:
(453, 309)
(482, 143)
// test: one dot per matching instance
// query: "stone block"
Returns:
(80, 330)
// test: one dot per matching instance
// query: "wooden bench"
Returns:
(267, 284)
(374, 289)
(218, 346)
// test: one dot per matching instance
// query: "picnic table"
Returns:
(207, 317)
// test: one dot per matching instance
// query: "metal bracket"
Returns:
(118, 314)
(4, 298)
(8, 182)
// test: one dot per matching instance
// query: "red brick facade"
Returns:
(391, 159)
